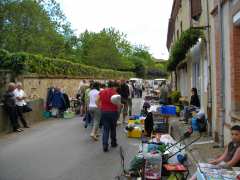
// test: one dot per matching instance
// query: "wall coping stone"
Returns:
(29, 76)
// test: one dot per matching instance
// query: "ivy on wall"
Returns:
(25, 63)
(182, 46)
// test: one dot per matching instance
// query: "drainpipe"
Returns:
(209, 70)
(222, 73)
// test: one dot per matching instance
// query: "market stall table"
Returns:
(154, 152)
(211, 172)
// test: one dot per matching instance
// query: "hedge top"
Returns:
(25, 63)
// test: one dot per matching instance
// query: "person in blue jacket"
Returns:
(58, 101)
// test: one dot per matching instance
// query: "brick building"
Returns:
(225, 46)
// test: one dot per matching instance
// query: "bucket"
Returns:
(195, 126)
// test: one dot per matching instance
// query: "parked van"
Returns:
(158, 82)
(136, 80)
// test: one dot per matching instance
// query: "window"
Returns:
(196, 9)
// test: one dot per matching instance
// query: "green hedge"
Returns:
(24, 63)
(181, 47)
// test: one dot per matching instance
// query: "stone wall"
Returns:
(36, 86)
(31, 117)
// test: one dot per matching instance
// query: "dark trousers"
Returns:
(109, 122)
(140, 93)
(12, 113)
(20, 115)
(87, 118)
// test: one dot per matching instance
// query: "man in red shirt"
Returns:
(109, 113)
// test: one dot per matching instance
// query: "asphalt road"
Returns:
(61, 150)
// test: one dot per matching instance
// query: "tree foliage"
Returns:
(26, 25)
(107, 49)
(40, 27)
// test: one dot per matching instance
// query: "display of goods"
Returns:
(153, 166)
(134, 117)
(161, 127)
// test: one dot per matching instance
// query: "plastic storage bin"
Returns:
(130, 121)
(168, 110)
(136, 132)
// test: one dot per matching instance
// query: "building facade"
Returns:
(225, 46)
(213, 64)
(194, 70)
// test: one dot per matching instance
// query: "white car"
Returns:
(157, 83)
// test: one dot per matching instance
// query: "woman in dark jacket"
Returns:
(194, 102)
(194, 98)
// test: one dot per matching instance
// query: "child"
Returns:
(148, 124)
(231, 155)
(146, 106)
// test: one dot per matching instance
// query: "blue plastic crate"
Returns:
(134, 117)
(168, 110)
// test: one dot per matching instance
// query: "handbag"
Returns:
(26, 108)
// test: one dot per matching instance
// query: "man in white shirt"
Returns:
(20, 97)
(94, 110)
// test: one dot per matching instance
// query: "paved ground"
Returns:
(61, 150)
(201, 151)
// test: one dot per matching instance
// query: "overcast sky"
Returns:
(144, 21)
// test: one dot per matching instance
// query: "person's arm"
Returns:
(17, 96)
(128, 90)
(191, 101)
(221, 158)
(98, 101)
(20, 97)
(236, 159)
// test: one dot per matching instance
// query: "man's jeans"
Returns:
(109, 121)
